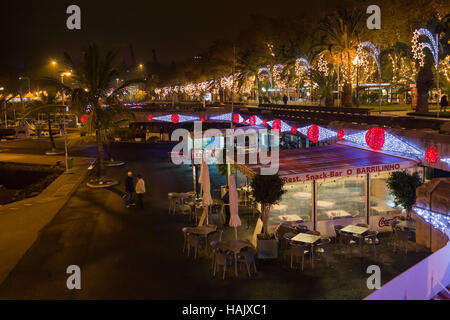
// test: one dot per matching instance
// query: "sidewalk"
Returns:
(21, 221)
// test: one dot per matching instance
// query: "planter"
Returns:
(267, 249)
(95, 184)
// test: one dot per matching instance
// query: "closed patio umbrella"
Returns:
(235, 221)
(206, 186)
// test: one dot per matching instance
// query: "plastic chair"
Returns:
(322, 247)
(247, 257)
(221, 259)
(195, 242)
(402, 236)
(337, 229)
(215, 236)
(213, 245)
(371, 238)
(298, 251)
(185, 233)
(302, 229)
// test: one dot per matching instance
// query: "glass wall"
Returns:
(296, 204)
(381, 201)
(341, 198)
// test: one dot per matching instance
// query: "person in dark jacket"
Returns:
(129, 189)
(444, 103)
(226, 200)
(285, 99)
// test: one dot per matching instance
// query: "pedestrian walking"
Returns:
(140, 190)
(285, 99)
(129, 189)
(444, 103)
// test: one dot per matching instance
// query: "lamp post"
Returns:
(66, 153)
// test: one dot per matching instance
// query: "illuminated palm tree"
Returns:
(95, 76)
(340, 32)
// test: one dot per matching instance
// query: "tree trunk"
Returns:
(50, 132)
(265, 215)
(422, 101)
(101, 157)
(347, 95)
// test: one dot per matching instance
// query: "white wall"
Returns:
(420, 282)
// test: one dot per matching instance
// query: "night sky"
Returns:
(33, 32)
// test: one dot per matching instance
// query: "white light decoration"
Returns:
(222, 117)
(432, 45)
(322, 65)
(446, 160)
(263, 72)
(324, 134)
(437, 220)
(284, 127)
(182, 118)
(391, 143)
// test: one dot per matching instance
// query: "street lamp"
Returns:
(66, 153)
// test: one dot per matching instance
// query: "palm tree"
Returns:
(47, 104)
(95, 76)
(326, 83)
(340, 33)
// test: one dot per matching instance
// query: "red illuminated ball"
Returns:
(175, 118)
(84, 119)
(252, 121)
(341, 134)
(375, 138)
(265, 122)
(149, 118)
(294, 129)
(202, 119)
(313, 133)
(431, 155)
(276, 125)
(236, 118)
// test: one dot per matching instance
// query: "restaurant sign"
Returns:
(344, 172)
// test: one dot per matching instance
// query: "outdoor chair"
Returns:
(371, 238)
(301, 229)
(337, 229)
(347, 240)
(185, 233)
(283, 229)
(185, 209)
(393, 224)
(313, 232)
(215, 236)
(285, 243)
(247, 257)
(213, 245)
(221, 258)
(365, 225)
(322, 248)
(298, 251)
(194, 242)
(402, 236)
(172, 203)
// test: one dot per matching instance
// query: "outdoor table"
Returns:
(203, 231)
(309, 239)
(354, 229)
(183, 196)
(235, 247)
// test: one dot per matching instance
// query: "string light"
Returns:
(437, 220)
(176, 117)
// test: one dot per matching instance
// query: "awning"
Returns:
(308, 164)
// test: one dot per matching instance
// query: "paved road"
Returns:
(127, 253)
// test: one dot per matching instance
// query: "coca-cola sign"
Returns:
(383, 222)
